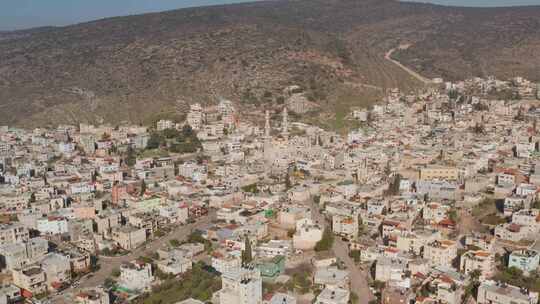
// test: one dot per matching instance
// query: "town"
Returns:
(433, 198)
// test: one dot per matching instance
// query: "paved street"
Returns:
(359, 283)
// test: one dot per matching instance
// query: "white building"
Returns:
(333, 296)
(307, 234)
(482, 261)
(491, 292)
(441, 253)
(52, 225)
(136, 276)
(241, 286)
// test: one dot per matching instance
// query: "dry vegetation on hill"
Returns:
(140, 67)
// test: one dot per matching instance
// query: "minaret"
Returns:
(285, 124)
(267, 125)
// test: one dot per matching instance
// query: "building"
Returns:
(174, 265)
(57, 270)
(18, 255)
(31, 280)
(436, 189)
(441, 253)
(526, 260)
(281, 298)
(164, 124)
(225, 262)
(13, 233)
(10, 294)
(136, 275)
(491, 292)
(52, 225)
(480, 260)
(307, 234)
(390, 269)
(241, 286)
(128, 237)
(331, 277)
(346, 226)
(333, 296)
(439, 173)
(93, 296)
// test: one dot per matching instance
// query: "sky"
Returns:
(482, 3)
(20, 14)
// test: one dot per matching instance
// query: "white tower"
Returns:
(285, 124)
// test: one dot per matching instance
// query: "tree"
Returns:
(143, 187)
(326, 241)
(472, 288)
(174, 243)
(247, 256)
(154, 141)
(130, 157)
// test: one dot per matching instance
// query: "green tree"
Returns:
(472, 288)
(174, 243)
(131, 159)
(247, 256)
(326, 242)
(143, 187)
(154, 141)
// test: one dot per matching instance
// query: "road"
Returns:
(107, 264)
(358, 278)
(388, 56)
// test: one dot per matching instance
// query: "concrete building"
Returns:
(441, 253)
(30, 279)
(333, 296)
(129, 237)
(52, 225)
(18, 255)
(491, 292)
(480, 260)
(439, 173)
(526, 260)
(57, 268)
(346, 226)
(136, 275)
(307, 234)
(13, 233)
(174, 265)
(225, 262)
(331, 277)
(281, 298)
(241, 286)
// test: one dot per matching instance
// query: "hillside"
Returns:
(140, 67)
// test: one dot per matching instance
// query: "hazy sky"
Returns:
(486, 3)
(18, 14)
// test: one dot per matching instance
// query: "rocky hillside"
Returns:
(140, 67)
